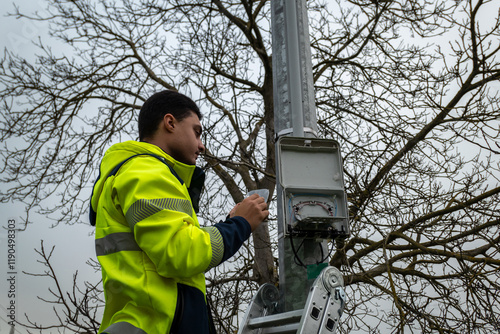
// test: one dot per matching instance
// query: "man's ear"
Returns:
(169, 122)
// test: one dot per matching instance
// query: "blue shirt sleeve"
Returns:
(234, 231)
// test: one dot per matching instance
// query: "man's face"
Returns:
(186, 144)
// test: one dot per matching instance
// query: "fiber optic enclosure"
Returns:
(312, 180)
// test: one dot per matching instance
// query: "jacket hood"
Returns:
(121, 152)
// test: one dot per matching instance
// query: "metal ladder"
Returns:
(321, 314)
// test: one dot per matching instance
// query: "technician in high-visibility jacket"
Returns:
(150, 245)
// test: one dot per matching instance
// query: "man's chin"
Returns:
(192, 162)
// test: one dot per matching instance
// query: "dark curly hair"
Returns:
(160, 104)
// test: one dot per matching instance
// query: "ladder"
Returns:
(321, 314)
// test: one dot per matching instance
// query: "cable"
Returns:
(329, 253)
(295, 255)
(294, 210)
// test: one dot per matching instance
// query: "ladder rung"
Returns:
(285, 329)
(276, 320)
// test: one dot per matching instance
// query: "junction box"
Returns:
(312, 180)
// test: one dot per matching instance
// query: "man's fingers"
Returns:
(258, 198)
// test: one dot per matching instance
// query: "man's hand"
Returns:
(253, 209)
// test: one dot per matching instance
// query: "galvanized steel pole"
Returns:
(294, 115)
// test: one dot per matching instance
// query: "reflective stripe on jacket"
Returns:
(150, 244)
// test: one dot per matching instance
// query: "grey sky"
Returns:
(73, 244)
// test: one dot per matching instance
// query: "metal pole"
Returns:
(295, 114)
(292, 90)
(294, 65)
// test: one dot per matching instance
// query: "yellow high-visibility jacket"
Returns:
(150, 245)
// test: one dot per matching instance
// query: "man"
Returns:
(150, 245)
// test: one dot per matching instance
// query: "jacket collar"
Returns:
(122, 151)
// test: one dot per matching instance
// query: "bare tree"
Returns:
(420, 131)
(76, 310)
(409, 88)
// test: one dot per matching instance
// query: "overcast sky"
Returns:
(73, 244)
